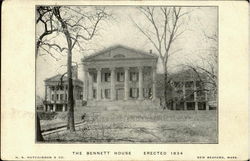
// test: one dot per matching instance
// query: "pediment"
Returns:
(55, 78)
(119, 52)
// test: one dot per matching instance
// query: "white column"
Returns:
(65, 98)
(45, 98)
(195, 96)
(126, 83)
(174, 105)
(206, 101)
(64, 89)
(85, 88)
(50, 94)
(173, 97)
(54, 107)
(90, 87)
(98, 88)
(112, 83)
(44, 107)
(184, 96)
(46, 90)
(59, 98)
(140, 83)
(64, 107)
(154, 83)
(55, 94)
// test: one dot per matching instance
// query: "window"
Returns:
(106, 77)
(189, 84)
(134, 92)
(81, 95)
(94, 93)
(178, 84)
(61, 96)
(134, 76)
(190, 106)
(201, 105)
(147, 76)
(57, 96)
(120, 77)
(94, 77)
(53, 97)
(199, 84)
(66, 97)
(200, 94)
(107, 93)
(147, 92)
(179, 106)
(189, 95)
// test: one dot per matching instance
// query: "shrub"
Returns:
(46, 115)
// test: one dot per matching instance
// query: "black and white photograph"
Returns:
(124, 74)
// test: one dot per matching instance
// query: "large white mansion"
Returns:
(120, 73)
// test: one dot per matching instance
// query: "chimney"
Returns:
(74, 72)
(150, 51)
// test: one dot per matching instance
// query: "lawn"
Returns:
(137, 125)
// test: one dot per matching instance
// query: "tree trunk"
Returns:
(166, 88)
(165, 85)
(71, 122)
(39, 136)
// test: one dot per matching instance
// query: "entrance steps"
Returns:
(122, 104)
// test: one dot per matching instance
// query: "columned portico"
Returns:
(121, 80)
(120, 74)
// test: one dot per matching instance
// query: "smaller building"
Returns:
(189, 91)
(56, 89)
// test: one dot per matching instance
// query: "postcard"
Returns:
(124, 80)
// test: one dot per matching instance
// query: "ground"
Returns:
(136, 125)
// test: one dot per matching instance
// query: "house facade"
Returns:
(56, 89)
(189, 91)
(120, 73)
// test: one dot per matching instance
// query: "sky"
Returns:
(121, 30)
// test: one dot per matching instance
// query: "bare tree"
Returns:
(76, 25)
(208, 65)
(165, 27)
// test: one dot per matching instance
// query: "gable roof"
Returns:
(57, 78)
(152, 55)
(187, 74)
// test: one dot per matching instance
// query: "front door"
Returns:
(120, 94)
